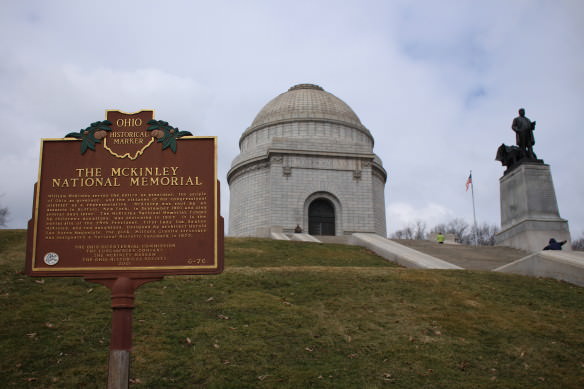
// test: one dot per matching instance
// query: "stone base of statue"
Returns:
(529, 209)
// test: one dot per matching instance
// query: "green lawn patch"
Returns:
(256, 252)
(288, 315)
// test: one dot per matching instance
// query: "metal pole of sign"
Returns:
(121, 338)
(122, 294)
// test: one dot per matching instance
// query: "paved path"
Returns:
(467, 257)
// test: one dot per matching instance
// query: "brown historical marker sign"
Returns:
(128, 195)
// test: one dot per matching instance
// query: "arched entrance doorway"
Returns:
(321, 217)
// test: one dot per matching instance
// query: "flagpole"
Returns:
(474, 214)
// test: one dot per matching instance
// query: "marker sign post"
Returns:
(124, 202)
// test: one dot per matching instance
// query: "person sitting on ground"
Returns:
(440, 238)
(298, 229)
(554, 245)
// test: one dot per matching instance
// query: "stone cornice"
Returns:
(264, 160)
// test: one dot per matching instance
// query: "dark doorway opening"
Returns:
(321, 217)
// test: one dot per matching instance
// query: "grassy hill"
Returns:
(297, 315)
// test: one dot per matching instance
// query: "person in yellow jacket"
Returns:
(440, 238)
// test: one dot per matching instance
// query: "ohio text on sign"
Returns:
(153, 212)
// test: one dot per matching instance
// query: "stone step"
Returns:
(562, 265)
(279, 236)
(465, 256)
(399, 253)
(304, 237)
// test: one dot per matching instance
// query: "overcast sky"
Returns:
(436, 82)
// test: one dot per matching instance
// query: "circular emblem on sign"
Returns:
(51, 259)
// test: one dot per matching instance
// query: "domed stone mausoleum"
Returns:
(306, 160)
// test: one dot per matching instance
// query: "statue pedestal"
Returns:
(529, 209)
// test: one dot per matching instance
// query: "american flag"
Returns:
(469, 181)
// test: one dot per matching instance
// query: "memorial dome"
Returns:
(306, 161)
(306, 102)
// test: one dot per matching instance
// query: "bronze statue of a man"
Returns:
(524, 128)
